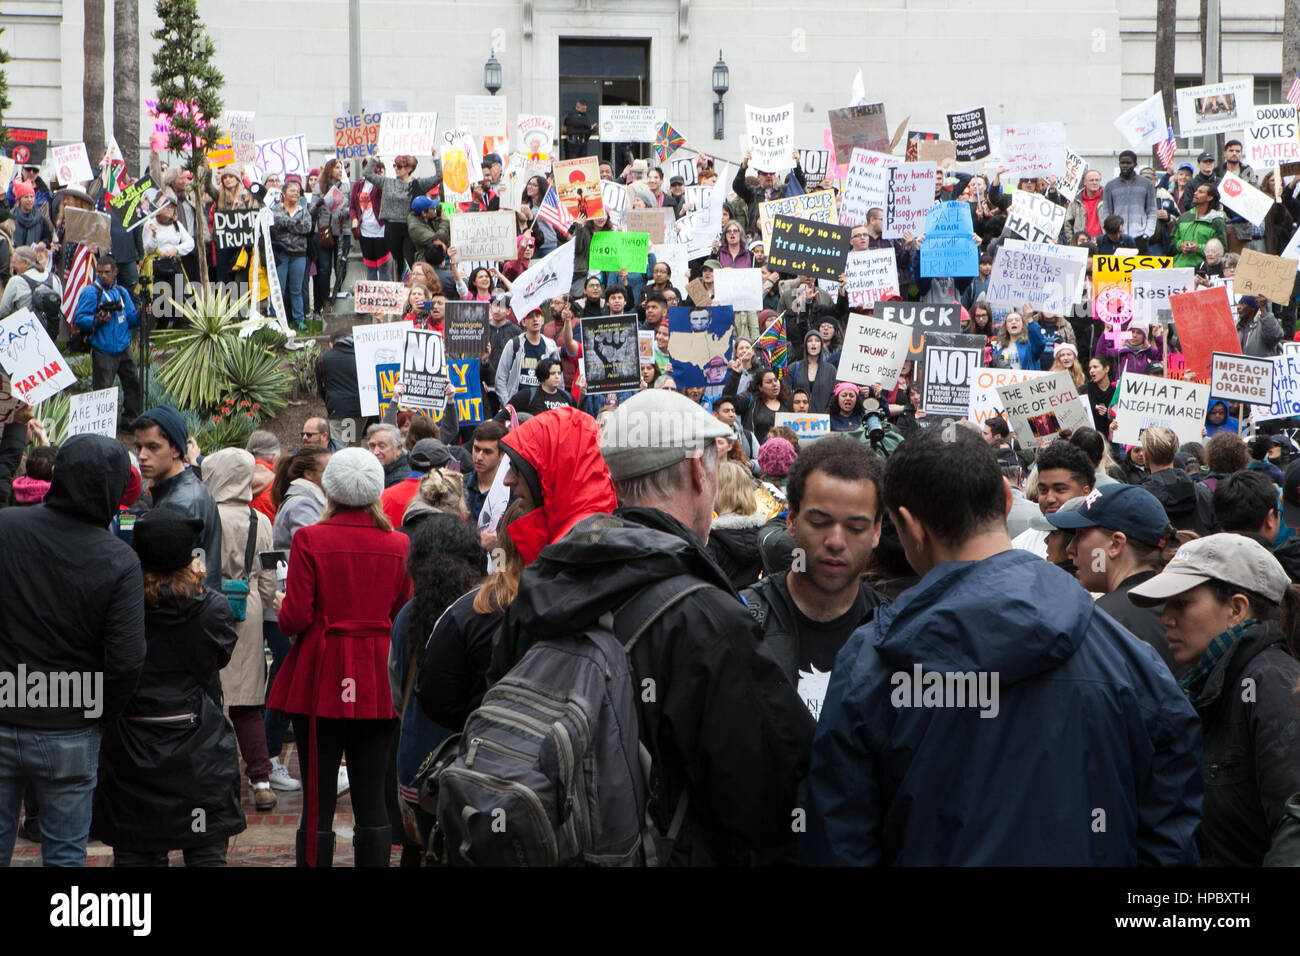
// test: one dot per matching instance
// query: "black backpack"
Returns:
(46, 304)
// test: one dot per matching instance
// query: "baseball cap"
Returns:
(429, 453)
(491, 159)
(1205, 157)
(1231, 558)
(1127, 508)
(1291, 495)
(422, 204)
(653, 430)
(1186, 166)
(677, 181)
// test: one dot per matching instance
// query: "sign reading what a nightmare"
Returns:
(464, 329)
(921, 317)
(948, 373)
(1039, 409)
(234, 230)
(803, 247)
(424, 371)
(484, 236)
(610, 355)
(375, 297)
(1240, 378)
(1145, 400)
(874, 350)
(970, 132)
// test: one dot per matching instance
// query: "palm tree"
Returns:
(126, 78)
(1166, 31)
(92, 82)
(1290, 42)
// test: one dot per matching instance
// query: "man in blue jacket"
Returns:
(992, 715)
(105, 310)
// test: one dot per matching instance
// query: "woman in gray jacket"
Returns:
(291, 224)
(397, 193)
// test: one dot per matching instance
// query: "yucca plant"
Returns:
(194, 373)
(254, 380)
(228, 428)
(303, 365)
(53, 413)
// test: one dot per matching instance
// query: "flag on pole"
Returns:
(858, 92)
(773, 344)
(1166, 149)
(553, 212)
(667, 142)
(1293, 94)
(79, 277)
(113, 165)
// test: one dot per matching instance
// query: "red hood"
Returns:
(563, 446)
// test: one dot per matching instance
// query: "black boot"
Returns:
(324, 849)
(373, 845)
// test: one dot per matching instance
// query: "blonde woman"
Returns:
(733, 535)
(1066, 359)
(441, 491)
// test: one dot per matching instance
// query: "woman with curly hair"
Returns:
(768, 395)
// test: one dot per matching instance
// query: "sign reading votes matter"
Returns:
(803, 247)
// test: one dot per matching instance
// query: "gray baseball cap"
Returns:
(1232, 558)
(655, 429)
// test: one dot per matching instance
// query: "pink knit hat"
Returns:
(23, 189)
(1060, 347)
(776, 456)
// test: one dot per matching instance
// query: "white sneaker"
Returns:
(344, 785)
(280, 778)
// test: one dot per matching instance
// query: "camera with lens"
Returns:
(106, 310)
(873, 420)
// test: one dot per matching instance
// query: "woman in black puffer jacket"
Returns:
(733, 536)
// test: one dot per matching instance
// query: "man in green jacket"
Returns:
(1198, 226)
(424, 224)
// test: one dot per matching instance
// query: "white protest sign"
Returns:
(1286, 387)
(674, 256)
(283, 156)
(1075, 167)
(375, 345)
(1152, 289)
(630, 124)
(742, 289)
(1035, 218)
(35, 366)
(807, 426)
(1243, 198)
(1144, 125)
(534, 135)
(406, 134)
(550, 276)
(1046, 280)
(72, 165)
(1240, 378)
(866, 185)
(685, 168)
(424, 371)
(1215, 108)
(909, 192)
(93, 413)
(1039, 409)
(818, 207)
(815, 163)
(240, 125)
(374, 297)
(1034, 150)
(1271, 138)
(985, 402)
(874, 350)
(1145, 400)
(487, 236)
(770, 134)
(486, 117)
(614, 196)
(1292, 250)
(872, 275)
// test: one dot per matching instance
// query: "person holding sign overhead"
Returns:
(397, 192)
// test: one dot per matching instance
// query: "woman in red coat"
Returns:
(347, 581)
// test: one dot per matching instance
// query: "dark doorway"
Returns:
(608, 73)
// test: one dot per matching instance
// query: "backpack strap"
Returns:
(251, 547)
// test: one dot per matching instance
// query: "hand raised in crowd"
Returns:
(192, 451)
(36, 433)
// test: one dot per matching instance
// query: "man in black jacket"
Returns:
(765, 191)
(384, 441)
(72, 608)
(1189, 504)
(336, 374)
(162, 437)
(806, 614)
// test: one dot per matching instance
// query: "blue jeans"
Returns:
(292, 271)
(63, 766)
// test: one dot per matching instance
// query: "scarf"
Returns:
(28, 226)
(1194, 681)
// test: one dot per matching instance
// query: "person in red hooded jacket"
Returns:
(347, 581)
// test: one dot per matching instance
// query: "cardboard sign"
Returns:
(700, 343)
(874, 351)
(1152, 289)
(486, 236)
(86, 225)
(464, 329)
(947, 373)
(1285, 379)
(649, 221)
(1144, 125)
(36, 367)
(909, 192)
(1034, 151)
(234, 230)
(535, 135)
(807, 426)
(424, 373)
(284, 155)
(372, 297)
(1045, 279)
(1239, 378)
(1034, 218)
(1243, 198)
(406, 134)
(872, 275)
(949, 248)
(7, 169)
(356, 135)
(1039, 409)
(485, 116)
(914, 140)
(549, 276)
(742, 289)
(239, 123)
(577, 183)
(1273, 277)
(1215, 108)
(1271, 138)
(921, 317)
(804, 247)
(985, 401)
(770, 134)
(941, 152)
(1145, 400)
(377, 346)
(816, 207)
(970, 134)
(27, 146)
(71, 164)
(1205, 325)
(93, 413)
(1075, 166)
(630, 124)
(221, 153)
(866, 186)
(610, 354)
(858, 126)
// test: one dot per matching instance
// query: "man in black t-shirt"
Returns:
(806, 614)
(548, 394)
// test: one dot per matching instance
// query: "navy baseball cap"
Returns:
(1127, 508)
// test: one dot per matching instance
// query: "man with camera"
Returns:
(107, 314)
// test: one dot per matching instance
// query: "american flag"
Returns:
(552, 211)
(79, 277)
(1293, 94)
(1167, 149)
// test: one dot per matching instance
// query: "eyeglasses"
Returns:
(311, 434)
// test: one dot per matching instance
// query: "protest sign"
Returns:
(649, 221)
(804, 247)
(485, 116)
(833, 168)
(1270, 139)
(1285, 379)
(1146, 400)
(675, 257)
(921, 317)
(615, 198)
(949, 248)
(610, 357)
(221, 152)
(406, 134)
(770, 134)
(378, 298)
(1144, 125)
(914, 140)
(464, 329)
(817, 207)
(866, 185)
(86, 225)
(945, 384)
(1047, 277)
(71, 164)
(466, 377)
(1075, 167)
(1243, 198)
(377, 346)
(1292, 250)
(700, 342)
(234, 230)
(284, 155)
(7, 168)
(1034, 218)
(613, 251)
(239, 123)
(815, 163)
(93, 413)
(742, 289)
(985, 402)
(807, 426)
(874, 350)
(684, 166)
(1215, 108)
(645, 346)
(1205, 325)
(27, 146)
(487, 236)
(133, 202)
(577, 183)
(941, 152)
(630, 124)
(1034, 150)
(160, 137)
(858, 126)
(1273, 277)
(1039, 409)
(872, 275)
(424, 371)
(356, 135)
(1240, 378)
(1152, 289)
(970, 134)
(535, 135)
(550, 276)
(909, 192)
(36, 367)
